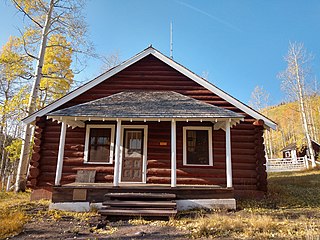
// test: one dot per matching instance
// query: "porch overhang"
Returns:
(73, 122)
(145, 106)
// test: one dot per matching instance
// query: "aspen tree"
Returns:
(47, 18)
(294, 83)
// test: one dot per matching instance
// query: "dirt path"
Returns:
(70, 228)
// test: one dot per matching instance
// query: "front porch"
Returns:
(140, 199)
(94, 192)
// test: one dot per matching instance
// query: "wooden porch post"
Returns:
(228, 155)
(60, 154)
(116, 172)
(173, 154)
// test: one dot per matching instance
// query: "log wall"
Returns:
(152, 74)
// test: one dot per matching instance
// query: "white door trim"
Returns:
(145, 145)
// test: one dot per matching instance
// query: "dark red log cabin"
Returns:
(148, 124)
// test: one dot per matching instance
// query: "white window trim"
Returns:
(145, 151)
(86, 145)
(209, 129)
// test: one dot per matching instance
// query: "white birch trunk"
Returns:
(303, 112)
(21, 179)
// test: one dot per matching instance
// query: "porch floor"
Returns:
(94, 192)
(139, 185)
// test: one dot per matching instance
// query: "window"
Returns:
(287, 154)
(197, 146)
(99, 144)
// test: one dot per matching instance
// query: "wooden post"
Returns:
(116, 173)
(228, 155)
(306, 162)
(60, 153)
(173, 154)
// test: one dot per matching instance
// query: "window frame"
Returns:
(209, 129)
(87, 140)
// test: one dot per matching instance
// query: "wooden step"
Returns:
(138, 212)
(153, 204)
(139, 208)
(141, 195)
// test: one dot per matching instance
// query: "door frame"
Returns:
(144, 157)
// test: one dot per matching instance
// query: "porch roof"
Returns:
(146, 104)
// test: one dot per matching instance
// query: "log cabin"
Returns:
(148, 128)
(292, 151)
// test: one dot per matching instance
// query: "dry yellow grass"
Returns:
(11, 223)
(291, 210)
(12, 216)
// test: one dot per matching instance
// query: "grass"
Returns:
(290, 210)
(12, 215)
(16, 210)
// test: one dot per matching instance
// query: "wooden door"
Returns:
(132, 156)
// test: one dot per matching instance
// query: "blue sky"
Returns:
(240, 44)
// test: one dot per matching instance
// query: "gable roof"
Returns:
(150, 50)
(147, 104)
(291, 146)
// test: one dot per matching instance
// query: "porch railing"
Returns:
(287, 164)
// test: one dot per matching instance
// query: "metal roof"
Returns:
(147, 104)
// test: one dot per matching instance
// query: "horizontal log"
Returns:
(35, 157)
(33, 182)
(258, 122)
(235, 145)
(37, 134)
(34, 164)
(52, 160)
(68, 169)
(36, 148)
(38, 129)
(103, 178)
(187, 172)
(55, 146)
(34, 172)
(71, 154)
(159, 164)
(56, 134)
(37, 141)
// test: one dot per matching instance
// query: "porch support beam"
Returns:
(228, 156)
(173, 154)
(60, 153)
(116, 174)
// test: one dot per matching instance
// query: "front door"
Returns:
(132, 155)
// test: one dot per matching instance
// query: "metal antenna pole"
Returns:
(171, 43)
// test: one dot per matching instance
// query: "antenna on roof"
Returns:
(171, 43)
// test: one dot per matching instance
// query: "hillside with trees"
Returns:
(288, 118)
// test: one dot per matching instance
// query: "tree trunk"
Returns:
(303, 113)
(21, 179)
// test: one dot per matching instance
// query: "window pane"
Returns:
(133, 144)
(197, 147)
(99, 146)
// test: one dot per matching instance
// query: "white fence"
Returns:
(287, 164)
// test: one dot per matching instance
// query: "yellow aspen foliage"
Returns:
(14, 149)
(12, 63)
(57, 74)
